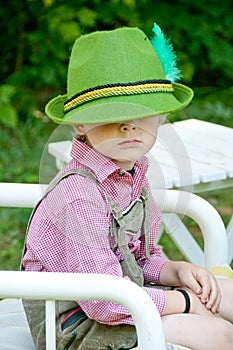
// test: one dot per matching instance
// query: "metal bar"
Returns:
(72, 286)
(20, 195)
(50, 317)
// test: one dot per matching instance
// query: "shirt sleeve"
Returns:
(112, 314)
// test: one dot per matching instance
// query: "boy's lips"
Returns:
(130, 143)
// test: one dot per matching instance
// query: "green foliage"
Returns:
(209, 104)
(8, 113)
(36, 49)
(12, 236)
(21, 150)
(203, 36)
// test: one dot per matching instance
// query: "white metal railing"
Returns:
(205, 215)
(20, 195)
(70, 286)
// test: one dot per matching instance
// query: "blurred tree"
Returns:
(37, 36)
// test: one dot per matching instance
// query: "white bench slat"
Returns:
(201, 148)
(212, 137)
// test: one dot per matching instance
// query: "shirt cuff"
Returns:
(152, 269)
(158, 297)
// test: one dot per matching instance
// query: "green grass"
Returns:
(21, 151)
(13, 226)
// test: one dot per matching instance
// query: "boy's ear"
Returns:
(80, 129)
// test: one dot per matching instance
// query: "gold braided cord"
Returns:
(117, 91)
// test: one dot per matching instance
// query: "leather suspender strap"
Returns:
(146, 227)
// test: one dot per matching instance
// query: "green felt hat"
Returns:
(115, 76)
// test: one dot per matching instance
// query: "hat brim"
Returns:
(120, 108)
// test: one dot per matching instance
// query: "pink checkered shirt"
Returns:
(69, 231)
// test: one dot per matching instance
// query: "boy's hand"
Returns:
(202, 283)
(191, 277)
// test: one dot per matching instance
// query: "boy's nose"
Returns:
(128, 127)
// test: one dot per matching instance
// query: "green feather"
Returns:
(164, 50)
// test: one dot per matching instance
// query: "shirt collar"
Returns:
(99, 164)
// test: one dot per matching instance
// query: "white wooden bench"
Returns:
(55, 286)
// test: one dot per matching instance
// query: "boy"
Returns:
(99, 215)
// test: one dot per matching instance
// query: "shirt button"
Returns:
(121, 173)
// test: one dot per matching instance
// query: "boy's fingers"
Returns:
(214, 302)
(214, 296)
(205, 288)
(195, 286)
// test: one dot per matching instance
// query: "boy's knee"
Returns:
(226, 331)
